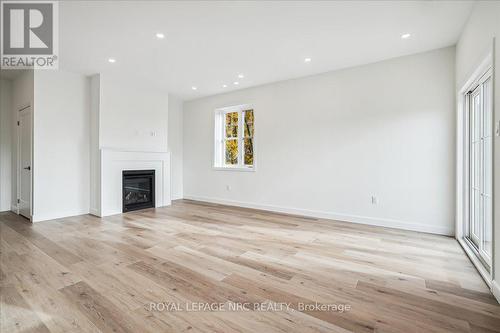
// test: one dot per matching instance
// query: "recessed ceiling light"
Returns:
(159, 35)
(112, 60)
(241, 76)
(404, 36)
(194, 88)
(307, 60)
(236, 83)
(224, 86)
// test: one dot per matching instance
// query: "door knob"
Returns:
(27, 168)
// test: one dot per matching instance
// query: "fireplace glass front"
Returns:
(138, 189)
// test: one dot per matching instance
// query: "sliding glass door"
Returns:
(480, 127)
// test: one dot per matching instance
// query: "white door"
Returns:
(481, 168)
(24, 165)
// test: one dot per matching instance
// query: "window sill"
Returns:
(234, 169)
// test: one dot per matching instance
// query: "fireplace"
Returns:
(138, 189)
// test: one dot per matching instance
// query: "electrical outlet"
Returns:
(228, 188)
(374, 200)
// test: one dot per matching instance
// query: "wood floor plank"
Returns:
(89, 274)
(359, 324)
(52, 249)
(15, 316)
(490, 321)
(56, 312)
(104, 314)
(457, 290)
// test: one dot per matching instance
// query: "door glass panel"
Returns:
(488, 166)
(476, 218)
(477, 117)
(488, 228)
(488, 114)
(475, 168)
(487, 159)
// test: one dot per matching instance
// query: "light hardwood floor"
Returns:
(85, 274)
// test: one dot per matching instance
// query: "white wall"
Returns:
(474, 44)
(22, 96)
(126, 115)
(175, 145)
(61, 145)
(6, 115)
(326, 143)
(134, 115)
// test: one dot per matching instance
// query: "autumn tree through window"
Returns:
(234, 138)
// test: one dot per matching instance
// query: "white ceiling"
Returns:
(208, 43)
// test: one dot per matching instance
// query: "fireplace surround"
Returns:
(138, 189)
(107, 178)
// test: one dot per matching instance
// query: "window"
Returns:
(234, 138)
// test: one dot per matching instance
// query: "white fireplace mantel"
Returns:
(107, 181)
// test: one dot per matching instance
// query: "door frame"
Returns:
(462, 167)
(18, 160)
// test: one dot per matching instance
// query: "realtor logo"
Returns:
(29, 34)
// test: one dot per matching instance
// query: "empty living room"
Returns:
(250, 166)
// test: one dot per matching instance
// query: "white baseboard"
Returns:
(390, 223)
(47, 217)
(495, 289)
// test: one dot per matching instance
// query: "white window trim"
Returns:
(218, 153)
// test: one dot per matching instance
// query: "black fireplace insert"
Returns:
(138, 189)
